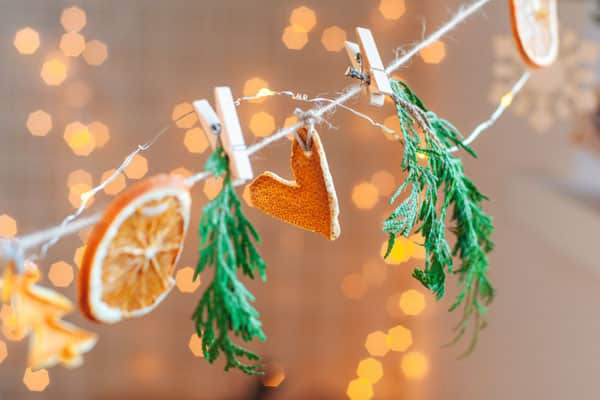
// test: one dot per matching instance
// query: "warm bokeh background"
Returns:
(142, 61)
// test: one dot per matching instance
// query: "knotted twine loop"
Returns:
(309, 119)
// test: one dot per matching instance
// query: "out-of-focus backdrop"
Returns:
(81, 87)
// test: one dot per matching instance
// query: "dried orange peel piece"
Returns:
(535, 28)
(127, 269)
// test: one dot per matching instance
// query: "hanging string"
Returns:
(51, 236)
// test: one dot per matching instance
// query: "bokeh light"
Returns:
(370, 370)
(212, 187)
(184, 115)
(137, 168)
(78, 256)
(354, 286)
(3, 351)
(434, 53)
(184, 279)
(289, 121)
(384, 181)
(412, 302)
(27, 41)
(399, 338)
(253, 86)
(72, 44)
(116, 185)
(8, 226)
(365, 195)
(247, 196)
(195, 140)
(36, 381)
(61, 274)
(76, 193)
(95, 53)
(359, 389)
(79, 138)
(333, 38)
(274, 376)
(376, 344)
(100, 132)
(262, 124)
(418, 249)
(195, 345)
(39, 123)
(401, 251)
(303, 19)
(293, 38)
(183, 172)
(392, 9)
(73, 19)
(54, 72)
(414, 365)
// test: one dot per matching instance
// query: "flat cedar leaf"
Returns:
(435, 174)
(225, 309)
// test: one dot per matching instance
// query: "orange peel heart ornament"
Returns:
(309, 201)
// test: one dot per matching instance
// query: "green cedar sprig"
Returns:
(436, 189)
(227, 245)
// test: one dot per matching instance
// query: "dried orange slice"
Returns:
(127, 268)
(535, 28)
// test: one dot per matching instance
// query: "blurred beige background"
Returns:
(542, 340)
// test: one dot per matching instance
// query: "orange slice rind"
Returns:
(535, 28)
(127, 269)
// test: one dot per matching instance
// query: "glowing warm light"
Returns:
(79, 138)
(185, 280)
(95, 53)
(195, 140)
(333, 38)
(376, 344)
(434, 53)
(414, 365)
(184, 115)
(27, 41)
(61, 274)
(303, 19)
(254, 86)
(77, 193)
(54, 72)
(36, 381)
(418, 249)
(73, 19)
(412, 302)
(78, 256)
(353, 286)
(184, 172)
(264, 92)
(289, 121)
(100, 133)
(39, 123)
(262, 124)
(365, 195)
(8, 226)
(3, 351)
(374, 272)
(392, 9)
(195, 345)
(274, 376)
(401, 252)
(77, 94)
(370, 370)
(212, 187)
(507, 100)
(359, 389)
(72, 44)
(116, 185)
(399, 338)
(384, 181)
(137, 168)
(294, 39)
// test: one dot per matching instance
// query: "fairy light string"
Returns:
(12, 248)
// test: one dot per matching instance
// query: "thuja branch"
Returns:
(435, 190)
(227, 245)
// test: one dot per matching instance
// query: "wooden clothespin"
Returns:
(224, 124)
(365, 58)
